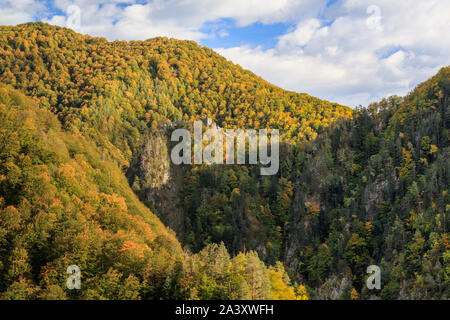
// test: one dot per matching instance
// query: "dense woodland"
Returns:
(84, 180)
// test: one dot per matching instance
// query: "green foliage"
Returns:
(57, 209)
(367, 190)
(361, 187)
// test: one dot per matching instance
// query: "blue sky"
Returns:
(349, 51)
(226, 34)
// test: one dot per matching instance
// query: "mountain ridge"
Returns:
(355, 187)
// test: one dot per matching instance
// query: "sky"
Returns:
(353, 52)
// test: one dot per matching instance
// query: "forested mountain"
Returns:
(368, 190)
(64, 196)
(63, 202)
(84, 169)
(374, 190)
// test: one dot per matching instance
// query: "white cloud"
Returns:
(355, 51)
(13, 12)
(180, 19)
(300, 36)
(363, 54)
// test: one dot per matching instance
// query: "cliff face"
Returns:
(156, 180)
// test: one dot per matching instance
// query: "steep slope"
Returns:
(64, 196)
(115, 93)
(368, 190)
(63, 203)
(354, 188)
(122, 88)
(374, 190)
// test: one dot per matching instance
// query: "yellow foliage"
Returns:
(281, 291)
(354, 294)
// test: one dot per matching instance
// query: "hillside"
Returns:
(85, 179)
(374, 190)
(122, 88)
(62, 203)
(64, 196)
(368, 190)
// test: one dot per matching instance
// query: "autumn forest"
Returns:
(86, 179)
